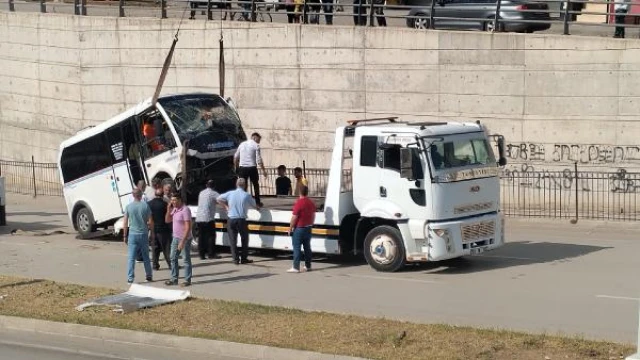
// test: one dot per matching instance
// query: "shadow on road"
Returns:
(511, 255)
(233, 279)
(42, 228)
(21, 283)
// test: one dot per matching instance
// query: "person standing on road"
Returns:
(206, 221)
(302, 219)
(179, 215)
(137, 223)
(237, 202)
(161, 236)
(142, 186)
(247, 159)
(621, 8)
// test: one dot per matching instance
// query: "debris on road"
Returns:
(138, 297)
(20, 232)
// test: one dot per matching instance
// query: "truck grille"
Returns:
(478, 231)
(473, 207)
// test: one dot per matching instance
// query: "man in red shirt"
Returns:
(304, 215)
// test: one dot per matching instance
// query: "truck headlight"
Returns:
(440, 232)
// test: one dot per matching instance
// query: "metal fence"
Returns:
(437, 14)
(31, 178)
(524, 193)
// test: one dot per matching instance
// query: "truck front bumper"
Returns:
(471, 236)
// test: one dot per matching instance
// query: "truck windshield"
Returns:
(456, 153)
(193, 115)
(460, 157)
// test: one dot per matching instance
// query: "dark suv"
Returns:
(480, 15)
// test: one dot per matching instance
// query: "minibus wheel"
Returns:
(85, 222)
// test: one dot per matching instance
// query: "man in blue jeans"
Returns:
(180, 215)
(137, 223)
(302, 219)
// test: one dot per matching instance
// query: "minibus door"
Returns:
(121, 164)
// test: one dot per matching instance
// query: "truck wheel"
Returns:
(384, 249)
(85, 222)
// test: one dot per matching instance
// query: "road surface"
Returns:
(27, 345)
(551, 277)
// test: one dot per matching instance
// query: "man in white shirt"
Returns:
(247, 159)
(206, 220)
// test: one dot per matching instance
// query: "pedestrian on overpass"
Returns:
(237, 202)
(179, 215)
(621, 7)
(247, 159)
(302, 219)
(137, 224)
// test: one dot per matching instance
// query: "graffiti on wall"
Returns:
(565, 153)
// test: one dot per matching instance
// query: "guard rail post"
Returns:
(3, 201)
(84, 7)
(12, 6)
(163, 9)
(253, 11)
(496, 20)
(371, 14)
(209, 13)
(121, 8)
(565, 21)
(76, 7)
(43, 6)
(304, 12)
(432, 21)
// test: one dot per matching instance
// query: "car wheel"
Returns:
(85, 222)
(421, 22)
(489, 25)
(384, 249)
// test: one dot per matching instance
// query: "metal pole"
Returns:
(253, 10)
(209, 13)
(121, 8)
(496, 20)
(12, 6)
(574, 221)
(371, 13)
(432, 24)
(84, 7)
(76, 7)
(163, 7)
(183, 188)
(304, 12)
(565, 21)
(43, 6)
(33, 169)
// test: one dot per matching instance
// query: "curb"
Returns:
(211, 347)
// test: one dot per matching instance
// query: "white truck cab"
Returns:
(424, 192)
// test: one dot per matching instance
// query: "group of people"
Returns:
(165, 221)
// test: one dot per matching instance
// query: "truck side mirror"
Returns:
(502, 160)
(406, 164)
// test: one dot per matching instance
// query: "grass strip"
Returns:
(295, 329)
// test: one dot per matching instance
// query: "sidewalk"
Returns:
(109, 342)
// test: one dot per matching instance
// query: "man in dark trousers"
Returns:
(247, 159)
(237, 202)
(161, 240)
(206, 220)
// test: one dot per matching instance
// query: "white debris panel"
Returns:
(138, 297)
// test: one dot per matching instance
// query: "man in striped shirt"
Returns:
(247, 159)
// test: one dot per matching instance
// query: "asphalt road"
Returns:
(28, 345)
(175, 9)
(551, 277)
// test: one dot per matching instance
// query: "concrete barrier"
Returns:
(295, 84)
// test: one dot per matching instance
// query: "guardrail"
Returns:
(521, 16)
(567, 194)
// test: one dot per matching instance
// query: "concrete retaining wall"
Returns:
(560, 98)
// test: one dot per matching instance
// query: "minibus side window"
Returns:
(84, 158)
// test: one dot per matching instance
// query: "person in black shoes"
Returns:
(237, 202)
(206, 220)
(161, 240)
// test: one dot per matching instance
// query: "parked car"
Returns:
(480, 15)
